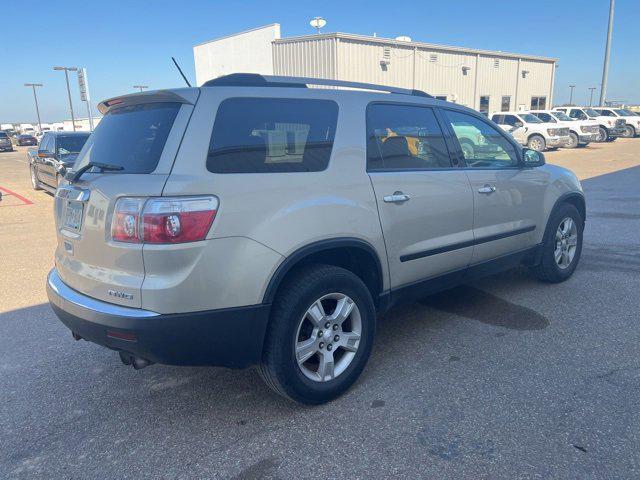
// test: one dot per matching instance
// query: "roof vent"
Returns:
(496, 62)
(403, 38)
(433, 57)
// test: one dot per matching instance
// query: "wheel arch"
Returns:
(354, 254)
(573, 198)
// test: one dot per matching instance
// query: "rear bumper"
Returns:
(230, 337)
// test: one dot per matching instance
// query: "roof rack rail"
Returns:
(256, 80)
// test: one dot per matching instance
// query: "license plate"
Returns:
(73, 216)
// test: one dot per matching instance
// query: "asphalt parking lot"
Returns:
(505, 378)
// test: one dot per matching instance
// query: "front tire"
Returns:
(629, 132)
(561, 246)
(537, 143)
(575, 141)
(320, 334)
(602, 135)
(35, 182)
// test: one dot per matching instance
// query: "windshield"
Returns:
(3, 135)
(527, 117)
(562, 116)
(71, 144)
(131, 137)
(591, 112)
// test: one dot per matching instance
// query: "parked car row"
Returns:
(53, 157)
(568, 127)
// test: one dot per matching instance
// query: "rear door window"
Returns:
(270, 135)
(404, 137)
(132, 137)
(70, 144)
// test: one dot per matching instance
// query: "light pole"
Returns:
(607, 52)
(571, 87)
(35, 97)
(141, 87)
(591, 97)
(66, 75)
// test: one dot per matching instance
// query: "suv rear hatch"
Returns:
(139, 137)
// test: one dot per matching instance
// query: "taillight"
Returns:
(126, 220)
(164, 219)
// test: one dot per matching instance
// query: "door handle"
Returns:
(397, 197)
(487, 189)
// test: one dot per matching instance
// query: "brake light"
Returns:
(125, 224)
(163, 220)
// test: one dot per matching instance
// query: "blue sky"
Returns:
(123, 43)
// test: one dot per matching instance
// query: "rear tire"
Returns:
(298, 340)
(560, 239)
(537, 143)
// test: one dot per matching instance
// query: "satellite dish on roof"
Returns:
(318, 23)
(403, 38)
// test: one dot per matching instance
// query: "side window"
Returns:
(402, 137)
(607, 113)
(574, 113)
(482, 145)
(47, 143)
(511, 120)
(545, 117)
(270, 135)
(499, 119)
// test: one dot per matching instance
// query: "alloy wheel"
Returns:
(566, 242)
(328, 337)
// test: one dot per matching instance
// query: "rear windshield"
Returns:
(3, 135)
(131, 137)
(71, 144)
(267, 135)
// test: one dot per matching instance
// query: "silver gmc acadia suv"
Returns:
(262, 221)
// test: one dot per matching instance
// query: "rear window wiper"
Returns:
(73, 176)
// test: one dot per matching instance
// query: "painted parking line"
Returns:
(17, 196)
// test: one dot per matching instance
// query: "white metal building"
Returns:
(482, 79)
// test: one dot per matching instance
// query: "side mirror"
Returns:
(532, 158)
(44, 154)
(518, 125)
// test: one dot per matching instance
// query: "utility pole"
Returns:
(141, 87)
(591, 97)
(607, 52)
(571, 87)
(66, 75)
(35, 97)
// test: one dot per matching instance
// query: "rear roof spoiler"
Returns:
(256, 80)
(157, 96)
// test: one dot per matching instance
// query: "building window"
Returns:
(505, 105)
(484, 105)
(538, 103)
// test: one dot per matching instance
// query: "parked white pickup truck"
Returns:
(582, 132)
(529, 130)
(609, 128)
(632, 122)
